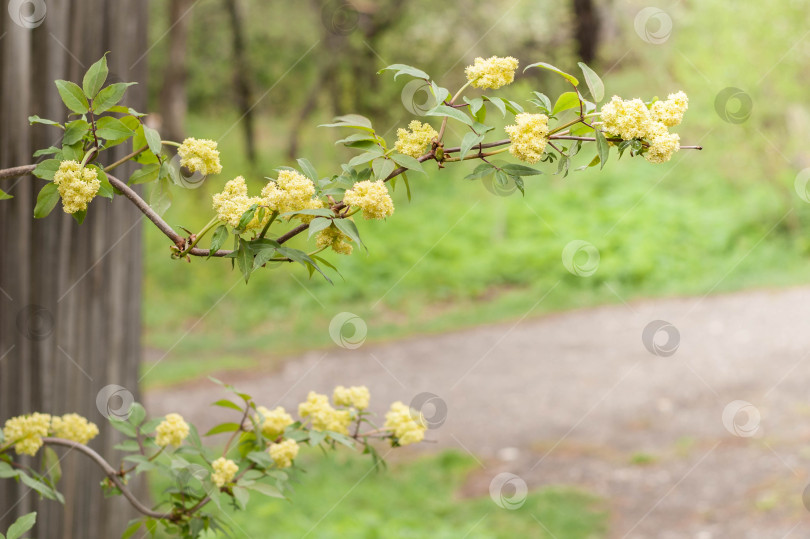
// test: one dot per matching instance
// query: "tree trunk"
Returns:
(241, 76)
(173, 98)
(69, 294)
(586, 29)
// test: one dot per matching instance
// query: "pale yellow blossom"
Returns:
(26, 431)
(414, 140)
(275, 421)
(77, 186)
(335, 239)
(529, 136)
(372, 198)
(292, 191)
(407, 425)
(224, 471)
(493, 72)
(200, 155)
(284, 453)
(356, 396)
(233, 201)
(171, 431)
(670, 112)
(74, 427)
(323, 416)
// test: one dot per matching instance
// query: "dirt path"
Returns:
(578, 399)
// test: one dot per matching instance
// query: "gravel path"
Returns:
(578, 399)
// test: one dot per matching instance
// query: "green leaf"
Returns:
(382, 167)
(46, 200)
(74, 131)
(351, 120)
(450, 112)
(79, 216)
(50, 462)
(542, 101)
(364, 158)
(110, 96)
(481, 171)
(244, 259)
(302, 258)
(402, 69)
(72, 96)
(595, 84)
(408, 162)
(105, 189)
(110, 128)
(223, 427)
(152, 139)
(218, 239)
(267, 490)
(469, 140)
(122, 426)
(515, 169)
(567, 100)
(225, 403)
(308, 170)
(39, 486)
(50, 150)
(475, 104)
(95, 77)
(22, 525)
(570, 78)
(145, 174)
(318, 224)
(137, 414)
(499, 104)
(134, 526)
(4, 195)
(602, 148)
(44, 121)
(348, 227)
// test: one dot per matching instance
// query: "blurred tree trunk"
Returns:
(586, 29)
(173, 98)
(69, 295)
(241, 75)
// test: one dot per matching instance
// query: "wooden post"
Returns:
(69, 294)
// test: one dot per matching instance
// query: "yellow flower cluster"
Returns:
(224, 471)
(284, 453)
(334, 238)
(372, 198)
(200, 155)
(670, 112)
(413, 142)
(407, 425)
(493, 72)
(632, 119)
(26, 431)
(171, 431)
(233, 201)
(323, 416)
(529, 136)
(355, 396)
(292, 191)
(275, 421)
(77, 186)
(74, 427)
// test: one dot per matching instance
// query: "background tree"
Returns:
(70, 295)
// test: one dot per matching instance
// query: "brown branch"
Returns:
(110, 472)
(15, 172)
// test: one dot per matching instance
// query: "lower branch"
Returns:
(110, 472)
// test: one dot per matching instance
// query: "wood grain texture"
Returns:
(70, 298)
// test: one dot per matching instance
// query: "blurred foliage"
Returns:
(718, 220)
(427, 502)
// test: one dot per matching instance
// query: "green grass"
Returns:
(340, 496)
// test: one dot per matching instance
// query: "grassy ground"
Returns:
(420, 498)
